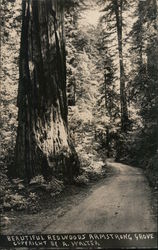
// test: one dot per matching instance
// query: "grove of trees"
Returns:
(74, 94)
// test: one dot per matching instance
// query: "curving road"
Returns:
(121, 204)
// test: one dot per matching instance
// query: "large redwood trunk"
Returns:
(43, 145)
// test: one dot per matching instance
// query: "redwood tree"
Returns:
(113, 18)
(43, 144)
(118, 9)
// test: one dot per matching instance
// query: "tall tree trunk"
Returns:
(43, 144)
(152, 68)
(123, 102)
(108, 139)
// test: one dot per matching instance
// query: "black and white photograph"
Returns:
(79, 124)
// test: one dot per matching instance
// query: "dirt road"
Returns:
(121, 204)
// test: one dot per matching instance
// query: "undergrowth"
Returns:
(16, 195)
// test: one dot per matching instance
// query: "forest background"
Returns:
(111, 98)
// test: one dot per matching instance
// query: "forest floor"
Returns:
(123, 201)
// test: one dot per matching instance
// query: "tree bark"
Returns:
(43, 144)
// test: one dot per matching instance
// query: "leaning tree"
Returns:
(43, 143)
